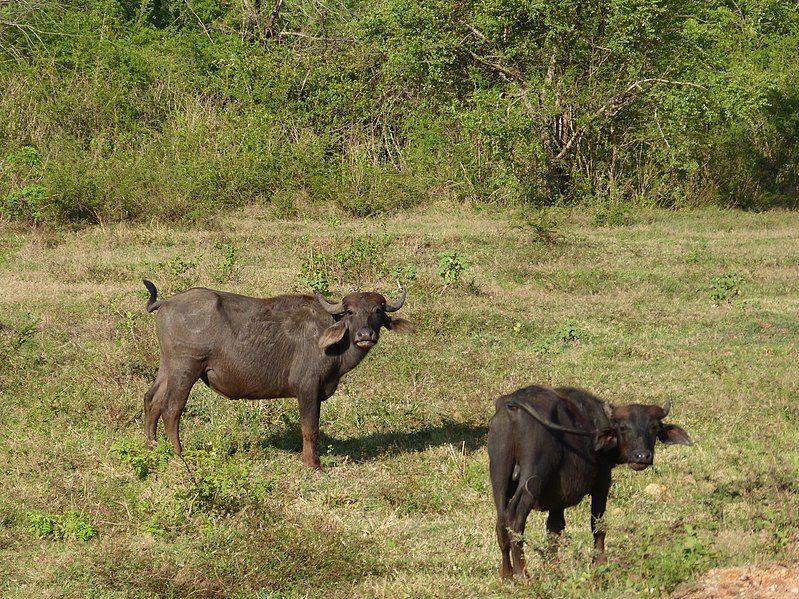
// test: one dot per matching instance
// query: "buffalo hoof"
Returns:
(505, 573)
(522, 573)
(600, 560)
(313, 464)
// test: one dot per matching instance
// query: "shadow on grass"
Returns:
(369, 447)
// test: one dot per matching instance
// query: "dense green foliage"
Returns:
(129, 109)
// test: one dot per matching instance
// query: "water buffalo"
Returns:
(548, 448)
(252, 348)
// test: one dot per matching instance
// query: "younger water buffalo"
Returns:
(251, 348)
(548, 448)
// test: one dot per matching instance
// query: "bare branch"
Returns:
(504, 71)
(475, 31)
(614, 105)
(315, 38)
(269, 29)
(200, 21)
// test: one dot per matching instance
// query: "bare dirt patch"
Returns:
(755, 582)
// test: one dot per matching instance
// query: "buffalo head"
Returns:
(634, 430)
(362, 315)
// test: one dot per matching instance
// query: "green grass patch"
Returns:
(695, 307)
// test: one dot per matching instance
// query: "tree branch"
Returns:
(504, 71)
(315, 38)
(269, 30)
(200, 21)
(614, 105)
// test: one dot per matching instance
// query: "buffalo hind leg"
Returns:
(518, 509)
(556, 522)
(503, 538)
(309, 423)
(175, 396)
(152, 412)
(501, 471)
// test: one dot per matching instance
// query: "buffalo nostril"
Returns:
(643, 457)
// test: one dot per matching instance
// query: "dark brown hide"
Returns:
(251, 348)
(549, 448)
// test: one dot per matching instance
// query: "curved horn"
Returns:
(329, 306)
(397, 303)
(607, 407)
(666, 407)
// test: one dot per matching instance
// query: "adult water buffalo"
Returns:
(252, 348)
(548, 448)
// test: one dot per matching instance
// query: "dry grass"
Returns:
(403, 507)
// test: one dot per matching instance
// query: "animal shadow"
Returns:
(368, 447)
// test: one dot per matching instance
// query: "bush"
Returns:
(451, 266)
(313, 273)
(724, 288)
(70, 526)
(134, 111)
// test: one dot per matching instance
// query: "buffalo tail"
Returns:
(152, 304)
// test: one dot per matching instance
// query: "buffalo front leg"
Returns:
(599, 499)
(309, 423)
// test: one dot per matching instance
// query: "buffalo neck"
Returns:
(351, 357)
(346, 354)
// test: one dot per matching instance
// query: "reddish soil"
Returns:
(772, 581)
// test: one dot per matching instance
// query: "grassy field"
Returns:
(700, 307)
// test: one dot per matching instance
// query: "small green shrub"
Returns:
(451, 266)
(228, 261)
(41, 525)
(724, 288)
(682, 556)
(180, 272)
(567, 333)
(142, 461)
(27, 327)
(313, 273)
(71, 526)
(403, 273)
(698, 254)
(540, 224)
(220, 485)
(611, 216)
(28, 203)
(24, 197)
(361, 258)
(25, 156)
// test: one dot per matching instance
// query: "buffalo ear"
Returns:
(671, 434)
(332, 335)
(400, 325)
(605, 440)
